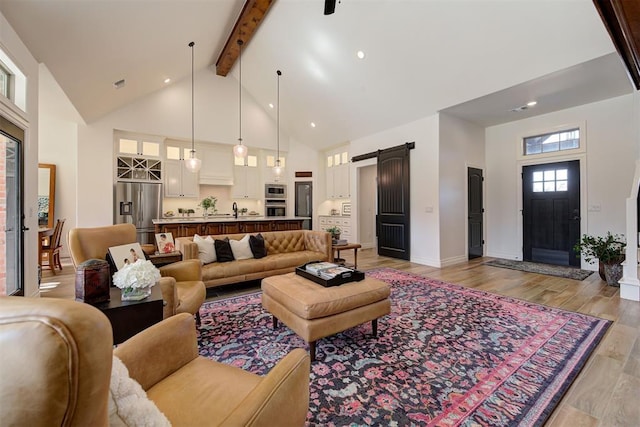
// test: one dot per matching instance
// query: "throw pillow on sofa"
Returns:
(206, 249)
(241, 248)
(257, 245)
(223, 250)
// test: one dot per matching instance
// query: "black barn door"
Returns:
(551, 212)
(393, 203)
(475, 212)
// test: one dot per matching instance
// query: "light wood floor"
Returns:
(607, 391)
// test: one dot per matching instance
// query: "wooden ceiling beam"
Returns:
(622, 19)
(250, 18)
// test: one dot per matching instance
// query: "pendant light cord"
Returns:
(192, 103)
(278, 121)
(240, 42)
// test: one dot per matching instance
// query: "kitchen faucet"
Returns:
(235, 210)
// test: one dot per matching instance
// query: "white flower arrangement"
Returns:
(140, 274)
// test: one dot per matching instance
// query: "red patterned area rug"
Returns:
(446, 356)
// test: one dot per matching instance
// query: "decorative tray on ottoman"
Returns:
(328, 274)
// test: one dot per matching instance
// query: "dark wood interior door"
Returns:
(551, 212)
(393, 220)
(475, 210)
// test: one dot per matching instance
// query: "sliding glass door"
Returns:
(11, 212)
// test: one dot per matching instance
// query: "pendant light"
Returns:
(240, 150)
(277, 169)
(192, 163)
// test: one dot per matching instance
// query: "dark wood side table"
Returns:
(160, 259)
(338, 248)
(130, 317)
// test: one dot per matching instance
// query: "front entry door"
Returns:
(393, 221)
(551, 212)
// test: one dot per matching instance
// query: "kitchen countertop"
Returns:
(225, 218)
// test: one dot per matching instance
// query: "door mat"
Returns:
(535, 267)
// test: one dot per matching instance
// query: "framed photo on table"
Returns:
(346, 209)
(165, 243)
(126, 254)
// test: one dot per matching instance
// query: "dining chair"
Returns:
(51, 249)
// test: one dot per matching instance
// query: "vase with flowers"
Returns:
(136, 280)
(609, 250)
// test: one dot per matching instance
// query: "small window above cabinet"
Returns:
(138, 147)
(251, 161)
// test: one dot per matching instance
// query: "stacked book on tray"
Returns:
(326, 270)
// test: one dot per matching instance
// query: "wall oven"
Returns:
(275, 191)
(275, 207)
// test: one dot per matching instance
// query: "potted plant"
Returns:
(335, 232)
(609, 250)
(208, 203)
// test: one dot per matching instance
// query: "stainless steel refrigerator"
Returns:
(138, 203)
(304, 202)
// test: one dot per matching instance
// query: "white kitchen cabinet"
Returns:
(337, 175)
(178, 180)
(341, 182)
(269, 163)
(344, 222)
(245, 180)
(217, 164)
(338, 183)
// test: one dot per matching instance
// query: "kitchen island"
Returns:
(225, 224)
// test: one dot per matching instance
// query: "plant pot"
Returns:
(613, 274)
(601, 270)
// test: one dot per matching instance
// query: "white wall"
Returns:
(58, 130)
(20, 55)
(425, 231)
(461, 146)
(607, 170)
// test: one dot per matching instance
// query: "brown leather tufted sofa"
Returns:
(286, 250)
(56, 367)
(181, 284)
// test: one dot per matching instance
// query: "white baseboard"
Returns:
(453, 260)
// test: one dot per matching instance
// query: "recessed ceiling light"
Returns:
(531, 104)
(313, 124)
(270, 105)
(360, 54)
(167, 80)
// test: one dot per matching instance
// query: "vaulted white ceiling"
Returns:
(473, 58)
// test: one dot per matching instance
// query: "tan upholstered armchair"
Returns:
(57, 362)
(182, 286)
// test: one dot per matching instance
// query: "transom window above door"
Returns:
(550, 142)
(550, 180)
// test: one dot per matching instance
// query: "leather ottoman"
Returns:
(313, 311)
